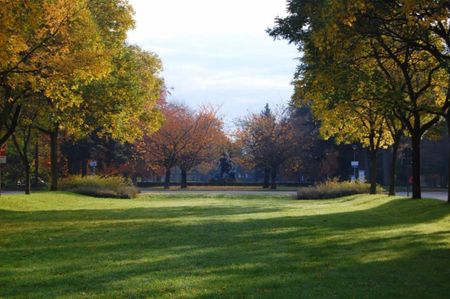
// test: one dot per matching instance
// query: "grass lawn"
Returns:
(181, 246)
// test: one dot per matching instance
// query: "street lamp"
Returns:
(354, 162)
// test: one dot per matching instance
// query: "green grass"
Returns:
(183, 246)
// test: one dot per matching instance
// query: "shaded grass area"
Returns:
(184, 246)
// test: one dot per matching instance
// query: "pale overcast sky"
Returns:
(218, 51)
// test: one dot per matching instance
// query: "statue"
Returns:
(226, 167)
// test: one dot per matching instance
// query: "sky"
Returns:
(217, 52)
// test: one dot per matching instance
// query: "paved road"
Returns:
(435, 195)
(218, 192)
(11, 192)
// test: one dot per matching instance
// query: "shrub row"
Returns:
(106, 187)
(334, 189)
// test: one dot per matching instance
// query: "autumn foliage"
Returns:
(68, 64)
(186, 139)
(267, 141)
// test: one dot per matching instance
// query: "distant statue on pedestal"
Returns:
(226, 167)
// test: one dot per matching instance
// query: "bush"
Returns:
(334, 189)
(106, 187)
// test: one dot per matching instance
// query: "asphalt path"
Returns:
(433, 195)
(221, 192)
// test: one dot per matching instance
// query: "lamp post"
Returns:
(355, 147)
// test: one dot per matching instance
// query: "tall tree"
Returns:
(205, 141)
(44, 45)
(333, 30)
(161, 150)
(122, 105)
(23, 138)
(267, 140)
(421, 25)
(57, 46)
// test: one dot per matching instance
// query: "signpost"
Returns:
(355, 165)
(2, 161)
(93, 165)
(362, 176)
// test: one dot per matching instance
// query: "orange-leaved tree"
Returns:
(160, 150)
(267, 140)
(205, 141)
(186, 139)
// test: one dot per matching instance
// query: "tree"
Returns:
(205, 139)
(44, 45)
(338, 30)
(161, 150)
(350, 105)
(57, 46)
(267, 140)
(121, 106)
(316, 159)
(73, 56)
(22, 138)
(396, 131)
(422, 26)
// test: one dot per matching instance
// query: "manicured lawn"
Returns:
(63, 245)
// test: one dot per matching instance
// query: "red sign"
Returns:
(410, 180)
(3, 150)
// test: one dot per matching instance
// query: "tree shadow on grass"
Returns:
(162, 251)
(129, 214)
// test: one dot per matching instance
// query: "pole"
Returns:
(407, 171)
(36, 163)
(354, 160)
(0, 179)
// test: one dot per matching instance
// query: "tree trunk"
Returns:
(416, 189)
(273, 186)
(448, 175)
(84, 167)
(12, 126)
(167, 179)
(36, 164)
(373, 172)
(27, 177)
(266, 178)
(23, 154)
(183, 178)
(393, 170)
(54, 159)
(448, 166)
(74, 165)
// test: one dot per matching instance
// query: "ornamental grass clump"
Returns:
(334, 189)
(98, 186)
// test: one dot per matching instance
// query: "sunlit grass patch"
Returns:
(184, 246)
